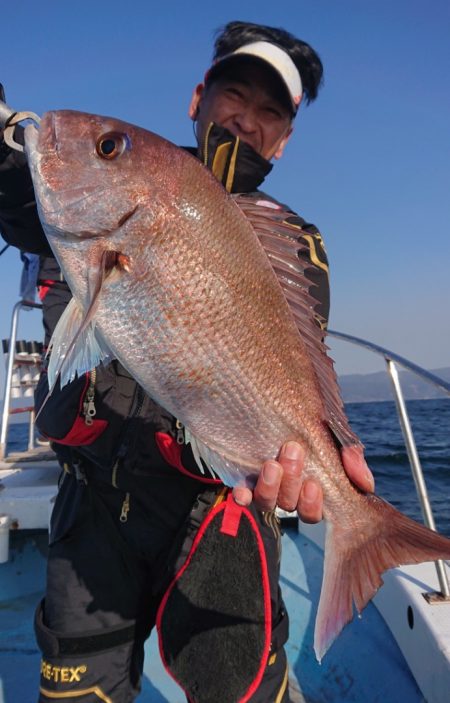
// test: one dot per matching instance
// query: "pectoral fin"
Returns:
(76, 346)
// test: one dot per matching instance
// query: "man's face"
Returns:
(245, 102)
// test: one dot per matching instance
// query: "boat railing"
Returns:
(392, 360)
(16, 362)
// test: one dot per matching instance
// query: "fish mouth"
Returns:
(34, 137)
(31, 137)
(45, 133)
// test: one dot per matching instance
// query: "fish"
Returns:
(204, 298)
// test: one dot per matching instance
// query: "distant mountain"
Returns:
(360, 388)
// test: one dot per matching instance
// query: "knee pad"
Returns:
(89, 665)
(214, 622)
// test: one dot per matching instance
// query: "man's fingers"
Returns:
(310, 502)
(292, 459)
(292, 455)
(267, 487)
(357, 469)
(243, 496)
(280, 483)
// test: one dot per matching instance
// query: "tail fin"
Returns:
(355, 560)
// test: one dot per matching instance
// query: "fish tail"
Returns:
(354, 562)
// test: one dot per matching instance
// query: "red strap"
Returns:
(171, 452)
(44, 286)
(42, 291)
(231, 517)
(28, 409)
(81, 434)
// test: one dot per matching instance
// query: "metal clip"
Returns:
(79, 472)
(89, 409)
(13, 120)
(180, 432)
(125, 508)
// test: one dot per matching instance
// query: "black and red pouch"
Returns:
(214, 621)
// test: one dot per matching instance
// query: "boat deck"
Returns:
(365, 663)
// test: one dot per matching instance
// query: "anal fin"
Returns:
(231, 470)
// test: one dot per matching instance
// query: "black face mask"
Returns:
(233, 162)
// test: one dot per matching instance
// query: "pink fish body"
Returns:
(203, 299)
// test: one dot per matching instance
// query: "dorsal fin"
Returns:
(288, 253)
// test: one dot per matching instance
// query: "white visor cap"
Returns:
(279, 60)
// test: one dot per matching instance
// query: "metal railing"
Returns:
(6, 413)
(391, 360)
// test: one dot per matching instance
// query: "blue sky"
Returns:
(369, 162)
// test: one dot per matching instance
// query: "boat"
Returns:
(398, 651)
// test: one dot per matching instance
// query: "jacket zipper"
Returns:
(125, 508)
(89, 409)
(139, 401)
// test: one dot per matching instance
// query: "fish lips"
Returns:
(44, 199)
(41, 140)
(41, 150)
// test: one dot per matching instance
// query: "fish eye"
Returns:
(111, 145)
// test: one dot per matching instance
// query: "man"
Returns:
(243, 94)
(133, 511)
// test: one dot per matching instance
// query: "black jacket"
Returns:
(106, 415)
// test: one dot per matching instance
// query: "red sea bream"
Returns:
(203, 298)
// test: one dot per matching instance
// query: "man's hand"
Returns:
(280, 483)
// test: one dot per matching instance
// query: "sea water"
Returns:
(378, 427)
